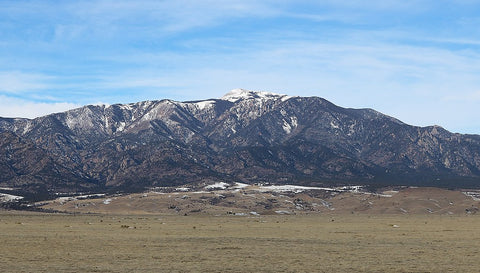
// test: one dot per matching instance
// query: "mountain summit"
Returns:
(245, 136)
(239, 94)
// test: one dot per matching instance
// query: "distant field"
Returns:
(251, 199)
(303, 243)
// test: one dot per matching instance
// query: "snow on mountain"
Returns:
(239, 94)
(245, 136)
(205, 104)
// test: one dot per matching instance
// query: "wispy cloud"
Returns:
(14, 107)
(400, 57)
(108, 18)
(463, 97)
(20, 82)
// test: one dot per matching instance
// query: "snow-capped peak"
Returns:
(238, 94)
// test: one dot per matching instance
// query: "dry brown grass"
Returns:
(405, 201)
(316, 243)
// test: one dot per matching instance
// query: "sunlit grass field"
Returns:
(33, 242)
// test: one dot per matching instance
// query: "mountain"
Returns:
(244, 136)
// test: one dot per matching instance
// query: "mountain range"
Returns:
(245, 136)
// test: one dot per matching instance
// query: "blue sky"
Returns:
(418, 61)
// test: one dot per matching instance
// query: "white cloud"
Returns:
(463, 97)
(19, 82)
(109, 17)
(133, 80)
(407, 82)
(14, 107)
(349, 52)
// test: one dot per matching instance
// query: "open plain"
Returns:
(38, 242)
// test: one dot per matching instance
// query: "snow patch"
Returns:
(282, 212)
(121, 127)
(65, 199)
(27, 128)
(356, 189)
(9, 197)
(218, 185)
(298, 189)
(294, 122)
(291, 188)
(107, 201)
(205, 104)
(238, 94)
(286, 127)
(351, 129)
(240, 185)
(128, 107)
(90, 196)
(475, 195)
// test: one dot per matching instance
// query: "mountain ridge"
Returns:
(244, 136)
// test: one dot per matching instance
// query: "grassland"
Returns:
(405, 201)
(33, 242)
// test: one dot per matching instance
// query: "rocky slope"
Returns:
(244, 136)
